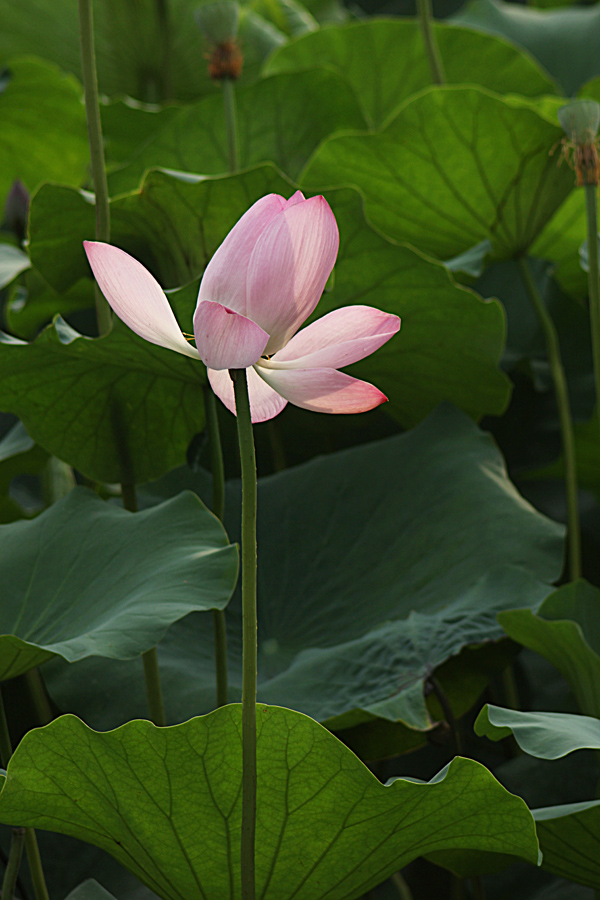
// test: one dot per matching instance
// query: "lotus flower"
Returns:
(262, 283)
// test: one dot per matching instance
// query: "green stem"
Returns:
(31, 845)
(593, 283)
(94, 125)
(564, 415)
(154, 694)
(162, 14)
(35, 865)
(14, 863)
(233, 161)
(431, 48)
(34, 684)
(448, 713)
(217, 467)
(404, 892)
(218, 507)
(249, 626)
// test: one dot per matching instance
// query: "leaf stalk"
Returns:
(564, 415)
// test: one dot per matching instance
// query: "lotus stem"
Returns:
(564, 414)
(231, 129)
(431, 48)
(249, 626)
(35, 687)
(154, 694)
(404, 892)
(593, 283)
(218, 507)
(94, 126)
(31, 844)
(11, 873)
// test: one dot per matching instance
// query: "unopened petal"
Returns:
(338, 339)
(289, 267)
(225, 339)
(298, 197)
(323, 390)
(265, 403)
(136, 296)
(224, 279)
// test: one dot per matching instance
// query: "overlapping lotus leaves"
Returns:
(281, 119)
(364, 590)
(565, 631)
(326, 827)
(116, 408)
(455, 166)
(88, 578)
(362, 52)
(570, 834)
(173, 224)
(38, 98)
(570, 841)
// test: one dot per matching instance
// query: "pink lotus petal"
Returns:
(338, 339)
(323, 390)
(298, 197)
(265, 403)
(225, 339)
(136, 297)
(289, 267)
(224, 279)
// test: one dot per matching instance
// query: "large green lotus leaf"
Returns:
(117, 408)
(362, 51)
(545, 735)
(566, 632)
(450, 342)
(128, 125)
(564, 41)
(173, 224)
(570, 841)
(364, 588)
(43, 126)
(561, 240)
(326, 827)
(88, 578)
(281, 119)
(455, 166)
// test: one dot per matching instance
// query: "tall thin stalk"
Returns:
(431, 48)
(94, 125)
(593, 282)
(249, 630)
(218, 507)
(564, 415)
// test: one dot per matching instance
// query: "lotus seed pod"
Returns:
(580, 120)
